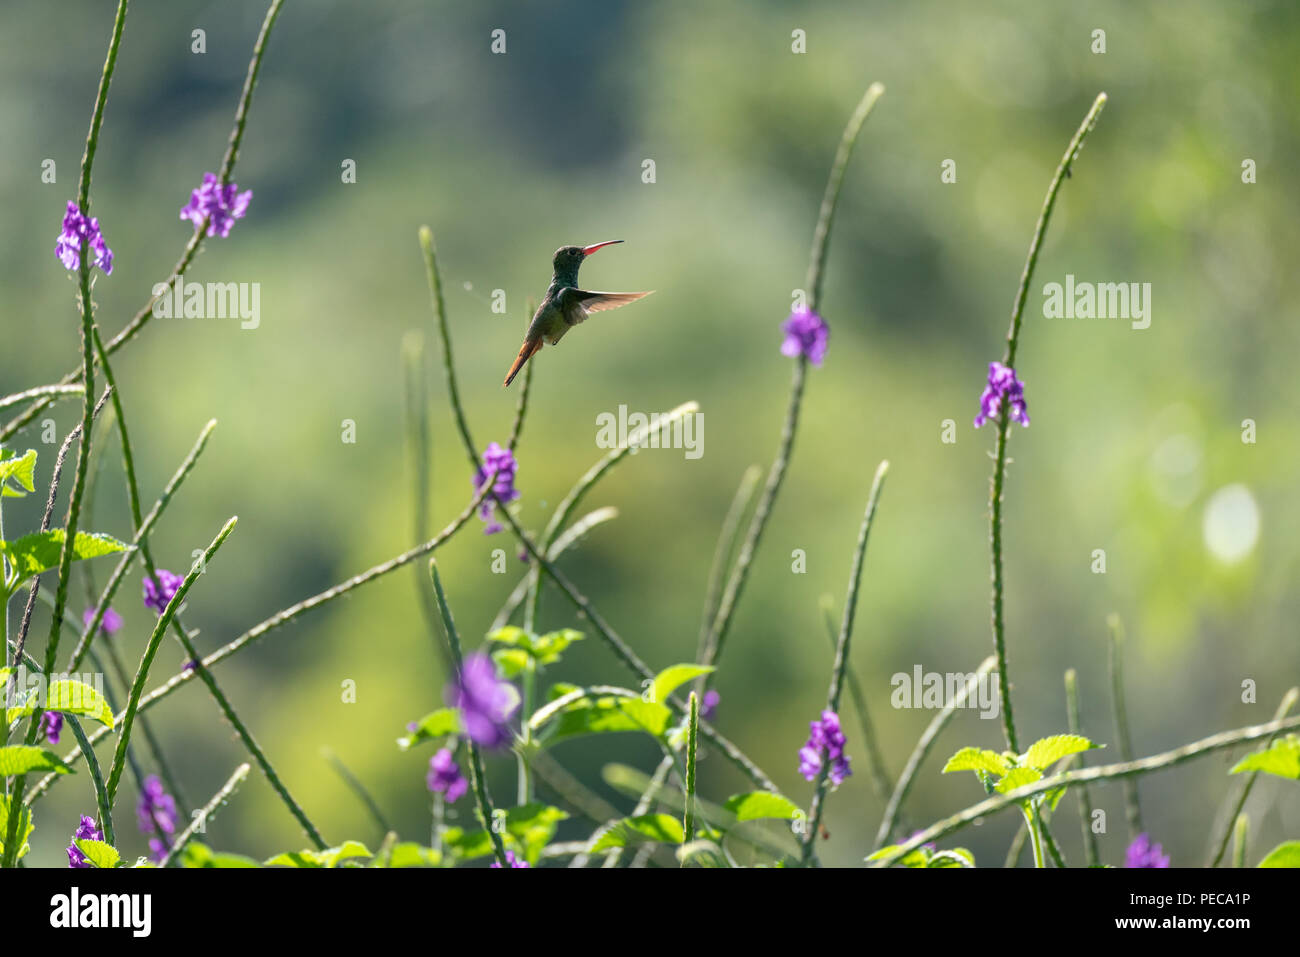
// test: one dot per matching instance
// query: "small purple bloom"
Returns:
(220, 205)
(85, 832)
(52, 723)
(157, 596)
(1003, 384)
(76, 227)
(485, 703)
(109, 624)
(806, 334)
(512, 860)
(156, 812)
(825, 735)
(445, 776)
(709, 706)
(502, 461)
(1142, 853)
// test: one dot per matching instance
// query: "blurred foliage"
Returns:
(508, 157)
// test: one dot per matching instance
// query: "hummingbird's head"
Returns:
(569, 258)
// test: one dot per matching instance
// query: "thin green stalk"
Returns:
(92, 765)
(922, 749)
(1132, 809)
(643, 805)
(1243, 792)
(842, 660)
(478, 780)
(725, 548)
(1003, 419)
(1106, 772)
(39, 391)
(570, 789)
(1053, 851)
(151, 649)
(246, 95)
(524, 787)
(440, 313)
(354, 785)
(1031, 824)
(692, 737)
(521, 409)
(1091, 855)
(200, 820)
(870, 745)
(1241, 833)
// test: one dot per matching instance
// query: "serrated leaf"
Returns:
(22, 471)
(467, 844)
(607, 714)
(1045, 752)
(1286, 854)
(100, 854)
(1018, 778)
(511, 635)
(331, 857)
(22, 758)
(760, 804)
(1281, 758)
(435, 724)
(547, 648)
(197, 854)
(24, 827)
(69, 697)
(533, 826)
(977, 759)
(410, 854)
(673, 677)
(39, 552)
(662, 828)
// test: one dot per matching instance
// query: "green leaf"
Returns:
(673, 677)
(917, 857)
(1044, 753)
(435, 724)
(410, 854)
(1282, 759)
(24, 827)
(467, 844)
(1053, 797)
(548, 647)
(1286, 854)
(511, 661)
(533, 826)
(952, 857)
(39, 552)
(21, 470)
(977, 759)
(523, 645)
(761, 804)
(1018, 778)
(702, 853)
(332, 857)
(198, 854)
(606, 714)
(662, 828)
(21, 758)
(100, 854)
(69, 697)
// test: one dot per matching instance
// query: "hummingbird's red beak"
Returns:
(588, 250)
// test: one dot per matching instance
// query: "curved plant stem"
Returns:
(92, 765)
(1132, 809)
(39, 391)
(870, 744)
(1241, 832)
(841, 661)
(246, 95)
(205, 814)
(440, 312)
(1091, 856)
(724, 549)
(1156, 762)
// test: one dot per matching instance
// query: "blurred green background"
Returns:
(507, 157)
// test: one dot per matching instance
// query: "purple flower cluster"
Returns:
(110, 623)
(512, 860)
(86, 831)
(502, 461)
(220, 205)
(1142, 853)
(1003, 385)
(157, 596)
(825, 737)
(806, 334)
(445, 777)
(76, 227)
(709, 705)
(52, 725)
(485, 703)
(156, 813)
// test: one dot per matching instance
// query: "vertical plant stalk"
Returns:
(1239, 803)
(870, 744)
(1241, 833)
(1035, 838)
(776, 474)
(353, 784)
(1091, 855)
(92, 765)
(842, 659)
(1003, 420)
(692, 738)
(478, 780)
(1132, 808)
(200, 820)
(440, 313)
(922, 749)
(722, 555)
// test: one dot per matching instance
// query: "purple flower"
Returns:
(1142, 853)
(512, 860)
(52, 724)
(709, 706)
(445, 776)
(825, 736)
(85, 832)
(220, 205)
(502, 461)
(109, 624)
(156, 812)
(76, 227)
(157, 596)
(806, 334)
(1003, 384)
(485, 703)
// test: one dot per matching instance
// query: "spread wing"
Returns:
(577, 304)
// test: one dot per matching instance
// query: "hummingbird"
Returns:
(565, 305)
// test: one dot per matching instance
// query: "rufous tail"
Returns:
(526, 352)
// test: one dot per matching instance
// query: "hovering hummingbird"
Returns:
(565, 304)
